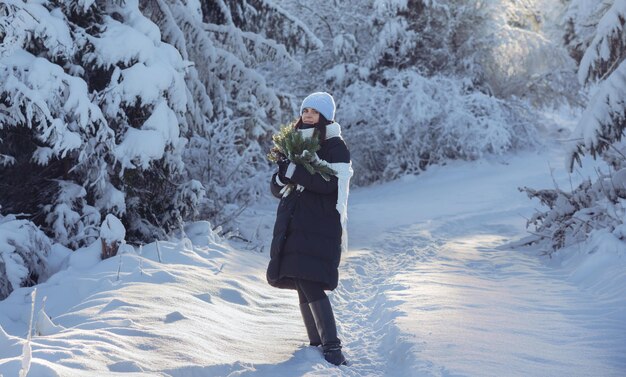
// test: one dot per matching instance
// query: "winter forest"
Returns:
(134, 183)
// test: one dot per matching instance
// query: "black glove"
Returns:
(283, 163)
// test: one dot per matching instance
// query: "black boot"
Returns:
(309, 323)
(325, 323)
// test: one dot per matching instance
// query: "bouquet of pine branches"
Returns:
(290, 143)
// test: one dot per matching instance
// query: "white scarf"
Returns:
(332, 130)
(344, 173)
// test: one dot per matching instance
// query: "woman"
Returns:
(309, 233)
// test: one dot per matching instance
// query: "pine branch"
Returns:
(290, 143)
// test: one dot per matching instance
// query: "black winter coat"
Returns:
(307, 232)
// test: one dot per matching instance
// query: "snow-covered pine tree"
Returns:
(47, 122)
(604, 63)
(90, 106)
(579, 21)
(232, 108)
(598, 207)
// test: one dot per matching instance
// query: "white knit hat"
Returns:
(322, 102)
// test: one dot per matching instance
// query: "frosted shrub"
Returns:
(23, 251)
(572, 217)
(415, 121)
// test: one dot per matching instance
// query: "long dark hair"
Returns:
(320, 126)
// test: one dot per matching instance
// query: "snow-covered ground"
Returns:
(429, 287)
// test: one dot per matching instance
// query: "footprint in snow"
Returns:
(204, 297)
(173, 317)
(234, 296)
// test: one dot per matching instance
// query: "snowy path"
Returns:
(464, 304)
(428, 288)
(465, 308)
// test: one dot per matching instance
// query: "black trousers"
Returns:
(309, 291)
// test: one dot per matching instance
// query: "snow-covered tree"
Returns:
(604, 63)
(598, 205)
(579, 21)
(91, 108)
